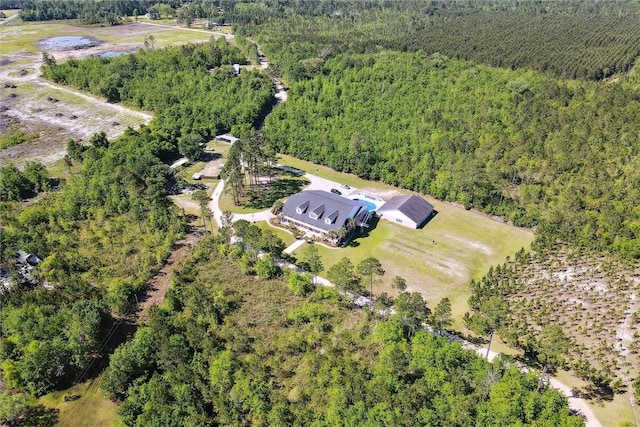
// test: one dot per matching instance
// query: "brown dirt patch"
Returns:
(159, 284)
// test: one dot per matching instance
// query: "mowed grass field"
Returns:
(25, 36)
(438, 260)
(92, 409)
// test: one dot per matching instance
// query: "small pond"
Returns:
(68, 42)
(113, 54)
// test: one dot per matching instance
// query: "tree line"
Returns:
(513, 143)
(564, 40)
(191, 88)
(86, 11)
(236, 359)
(114, 12)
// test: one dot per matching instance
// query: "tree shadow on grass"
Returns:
(363, 232)
(40, 416)
(598, 393)
(208, 156)
(267, 195)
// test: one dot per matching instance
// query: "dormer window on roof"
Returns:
(302, 208)
(331, 218)
(317, 212)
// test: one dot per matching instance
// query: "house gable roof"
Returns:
(25, 258)
(415, 208)
(227, 138)
(339, 209)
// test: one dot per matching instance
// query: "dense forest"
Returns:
(566, 40)
(229, 350)
(191, 88)
(51, 333)
(569, 39)
(109, 226)
(512, 143)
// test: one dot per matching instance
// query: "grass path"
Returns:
(92, 409)
(161, 281)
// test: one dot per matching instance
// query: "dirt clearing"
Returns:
(54, 114)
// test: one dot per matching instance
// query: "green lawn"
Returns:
(283, 186)
(220, 148)
(438, 260)
(92, 409)
(614, 412)
(24, 36)
(187, 170)
(328, 173)
(226, 204)
(286, 237)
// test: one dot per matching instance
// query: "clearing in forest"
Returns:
(38, 117)
(82, 406)
(595, 298)
(438, 260)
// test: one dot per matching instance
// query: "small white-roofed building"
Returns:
(410, 211)
(226, 138)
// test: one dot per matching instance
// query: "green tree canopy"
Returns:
(342, 274)
(189, 145)
(413, 310)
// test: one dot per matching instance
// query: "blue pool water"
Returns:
(68, 42)
(370, 206)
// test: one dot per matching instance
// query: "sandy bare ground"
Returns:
(55, 113)
(10, 19)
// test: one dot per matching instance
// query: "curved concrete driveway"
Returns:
(214, 205)
(316, 183)
(319, 183)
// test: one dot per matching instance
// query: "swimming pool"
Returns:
(370, 206)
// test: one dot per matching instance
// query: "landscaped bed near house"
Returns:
(286, 237)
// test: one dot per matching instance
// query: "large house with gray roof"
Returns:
(322, 213)
(410, 211)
